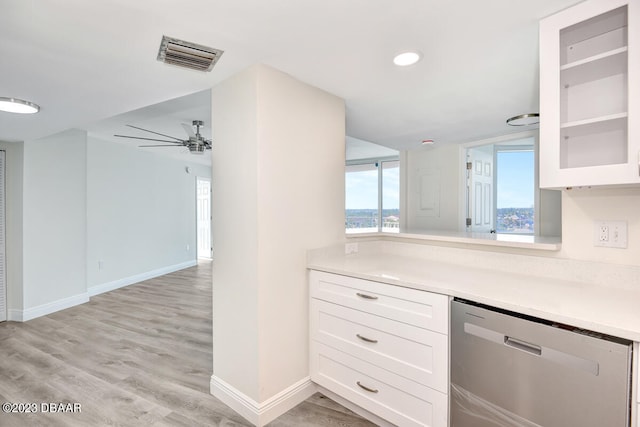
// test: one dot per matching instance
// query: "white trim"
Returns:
(14, 315)
(126, 281)
(259, 414)
(48, 308)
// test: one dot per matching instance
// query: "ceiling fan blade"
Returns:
(149, 139)
(189, 130)
(157, 133)
(174, 146)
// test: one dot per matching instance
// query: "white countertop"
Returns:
(607, 309)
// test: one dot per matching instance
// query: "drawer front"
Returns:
(396, 399)
(422, 309)
(414, 353)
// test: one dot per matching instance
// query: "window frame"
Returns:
(378, 162)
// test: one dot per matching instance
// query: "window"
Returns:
(372, 199)
(515, 202)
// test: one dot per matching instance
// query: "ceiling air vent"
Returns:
(187, 54)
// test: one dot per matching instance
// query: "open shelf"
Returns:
(595, 67)
(594, 70)
(594, 121)
(589, 94)
(595, 142)
(595, 58)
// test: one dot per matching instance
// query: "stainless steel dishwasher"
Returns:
(512, 370)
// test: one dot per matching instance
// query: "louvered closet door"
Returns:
(3, 270)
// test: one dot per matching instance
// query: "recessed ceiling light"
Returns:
(13, 105)
(427, 142)
(406, 58)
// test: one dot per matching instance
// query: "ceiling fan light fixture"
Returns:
(197, 148)
(18, 106)
(405, 59)
(529, 119)
(195, 142)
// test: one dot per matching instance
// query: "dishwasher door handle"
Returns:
(523, 345)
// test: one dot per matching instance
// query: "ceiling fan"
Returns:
(196, 143)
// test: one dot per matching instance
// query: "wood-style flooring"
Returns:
(137, 356)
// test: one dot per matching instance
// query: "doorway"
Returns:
(203, 212)
(500, 187)
(480, 189)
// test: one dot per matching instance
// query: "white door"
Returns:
(3, 273)
(480, 189)
(203, 208)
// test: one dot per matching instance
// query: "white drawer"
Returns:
(423, 309)
(394, 398)
(414, 353)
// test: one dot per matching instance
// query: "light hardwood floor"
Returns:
(137, 356)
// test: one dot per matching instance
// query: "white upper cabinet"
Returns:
(590, 95)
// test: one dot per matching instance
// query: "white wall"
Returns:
(141, 212)
(235, 232)
(301, 137)
(580, 208)
(432, 192)
(72, 201)
(278, 190)
(54, 219)
(13, 186)
(358, 149)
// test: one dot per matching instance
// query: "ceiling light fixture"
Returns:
(524, 120)
(20, 106)
(428, 142)
(407, 58)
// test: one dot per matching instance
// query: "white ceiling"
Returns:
(86, 61)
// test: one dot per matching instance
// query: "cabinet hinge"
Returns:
(469, 166)
(468, 222)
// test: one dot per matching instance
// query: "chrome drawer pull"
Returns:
(370, 390)
(365, 296)
(366, 339)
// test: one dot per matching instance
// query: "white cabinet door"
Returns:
(590, 95)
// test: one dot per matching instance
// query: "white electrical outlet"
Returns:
(610, 234)
(603, 233)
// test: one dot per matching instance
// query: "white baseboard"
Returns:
(48, 308)
(14, 315)
(260, 414)
(126, 281)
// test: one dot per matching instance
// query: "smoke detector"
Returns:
(186, 54)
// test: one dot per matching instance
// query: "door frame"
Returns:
(198, 255)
